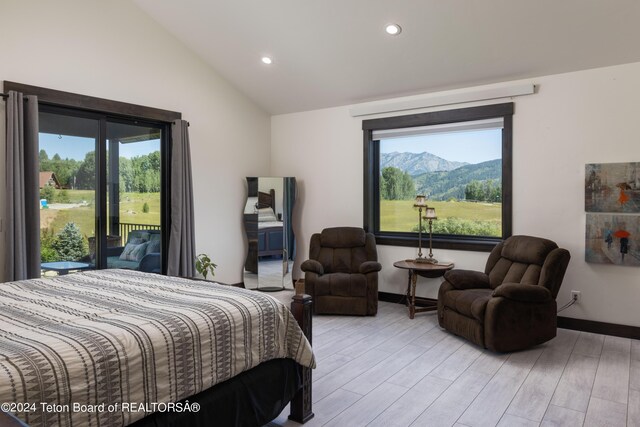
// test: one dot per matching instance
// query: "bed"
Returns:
(123, 347)
(270, 231)
(265, 233)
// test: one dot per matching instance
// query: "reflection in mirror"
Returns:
(268, 224)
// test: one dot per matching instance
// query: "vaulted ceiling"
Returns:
(336, 52)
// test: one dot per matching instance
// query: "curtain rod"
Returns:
(6, 95)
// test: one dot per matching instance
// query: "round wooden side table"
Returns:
(416, 269)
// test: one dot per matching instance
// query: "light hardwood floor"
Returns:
(390, 370)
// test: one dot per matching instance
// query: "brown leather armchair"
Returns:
(512, 305)
(342, 272)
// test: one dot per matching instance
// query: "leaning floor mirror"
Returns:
(268, 215)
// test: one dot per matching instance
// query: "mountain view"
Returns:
(442, 179)
(417, 163)
(444, 185)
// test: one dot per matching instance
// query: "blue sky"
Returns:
(73, 147)
(470, 146)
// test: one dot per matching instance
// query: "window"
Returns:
(459, 159)
(104, 185)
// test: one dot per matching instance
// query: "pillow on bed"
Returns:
(266, 214)
(134, 252)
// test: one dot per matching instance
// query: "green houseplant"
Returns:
(204, 265)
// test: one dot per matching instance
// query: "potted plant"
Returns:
(204, 265)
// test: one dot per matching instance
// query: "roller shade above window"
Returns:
(496, 123)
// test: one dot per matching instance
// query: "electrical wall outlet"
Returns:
(575, 295)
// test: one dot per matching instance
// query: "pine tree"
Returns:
(69, 243)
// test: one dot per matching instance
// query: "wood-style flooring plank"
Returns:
(336, 379)
(327, 339)
(589, 344)
(340, 342)
(574, 389)
(357, 348)
(612, 377)
(447, 408)
(430, 337)
(564, 341)
(557, 416)
(536, 392)
(411, 374)
(633, 416)
(346, 325)
(378, 374)
(331, 406)
(635, 349)
(634, 374)
(330, 364)
(489, 362)
(623, 345)
(513, 421)
(457, 363)
(406, 336)
(407, 408)
(603, 413)
(323, 324)
(493, 400)
(369, 407)
(323, 411)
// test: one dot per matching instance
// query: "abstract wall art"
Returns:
(612, 187)
(613, 239)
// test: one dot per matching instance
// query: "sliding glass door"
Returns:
(68, 184)
(134, 189)
(102, 192)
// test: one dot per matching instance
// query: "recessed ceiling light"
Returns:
(393, 29)
(267, 60)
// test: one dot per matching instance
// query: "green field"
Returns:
(469, 217)
(131, 210)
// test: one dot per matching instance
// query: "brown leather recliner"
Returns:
(512, 305)
(342, 272)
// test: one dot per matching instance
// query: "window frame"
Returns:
(104, 110)
(371, 219)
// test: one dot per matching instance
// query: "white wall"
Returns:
(111, 49)
(576, 118)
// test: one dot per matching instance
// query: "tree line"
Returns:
(396, 184)
(451, 185)
(139, 174)
(489, 190)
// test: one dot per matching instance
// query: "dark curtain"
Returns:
(22, 186)
(289, 200)
(181, 253)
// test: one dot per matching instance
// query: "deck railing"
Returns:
(126, 228)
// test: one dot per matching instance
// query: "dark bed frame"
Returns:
(254, 397)
(267, 200)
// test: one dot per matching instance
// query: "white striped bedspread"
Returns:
(115, 339)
